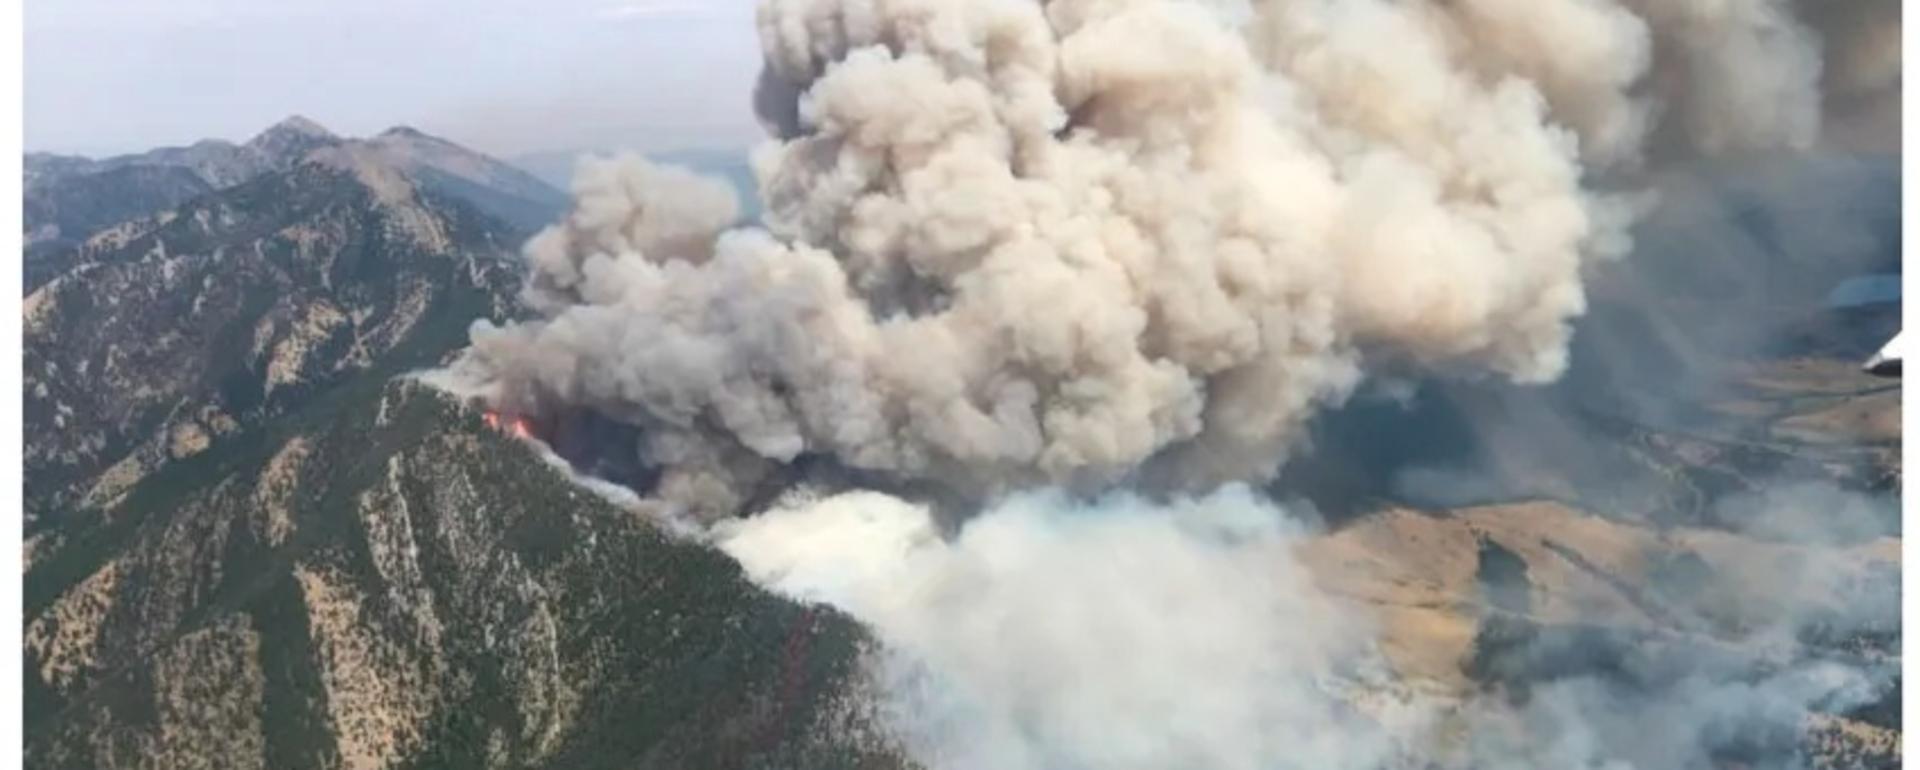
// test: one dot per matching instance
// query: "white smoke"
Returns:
(1115, 635)
(1079, 242)
(1126, 634)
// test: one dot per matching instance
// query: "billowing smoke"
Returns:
(1091, 242)
(1044, 253)
(1118, 635)
(1050, 633)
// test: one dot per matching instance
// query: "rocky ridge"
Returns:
(71, 199)
(402, 586)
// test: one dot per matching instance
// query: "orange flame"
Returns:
(518, 426)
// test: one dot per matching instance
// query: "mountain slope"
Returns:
(249, 546)
(497, 188)
(61, 214)
(236, 307)
(1545, 606)
(382, 581)
(252, 548)
(1706, 508)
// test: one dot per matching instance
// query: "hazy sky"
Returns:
(503, 76)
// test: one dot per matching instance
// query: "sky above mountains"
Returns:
(503, 76)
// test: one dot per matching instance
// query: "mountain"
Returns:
(216, 162)
(497, 188)
(59, 212)
(290, 140)
(166, 335)
(252, 542)
(69, 199)
(380, 580)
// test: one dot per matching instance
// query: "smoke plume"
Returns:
(1127, 634)
(1082, 243)
(1117, 635)
(1052, 256)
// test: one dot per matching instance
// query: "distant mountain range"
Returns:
(215, 162)
(69, 198)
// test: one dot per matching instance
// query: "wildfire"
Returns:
(516, 425)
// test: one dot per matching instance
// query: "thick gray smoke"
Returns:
(1051, 248)
(1081, 242)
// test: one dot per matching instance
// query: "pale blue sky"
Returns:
(502, 76)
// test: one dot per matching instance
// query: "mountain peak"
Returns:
(298, 125)
(408, 133)
(285, 142)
